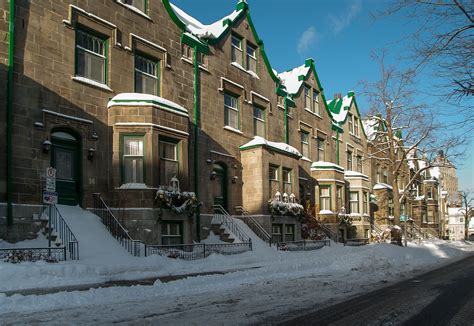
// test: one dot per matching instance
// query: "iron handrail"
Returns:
(330, 233)
(115, 227)
(254, 225)
(223, 217)
(65, 233)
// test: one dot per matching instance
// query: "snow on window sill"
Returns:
(91, 82)
(134, 9)
(325, 211)
(313, 113)
(237, 131)
(239, 66)
(135, 186)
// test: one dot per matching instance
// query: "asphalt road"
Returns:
(440, 297)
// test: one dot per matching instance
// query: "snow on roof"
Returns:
(282, 147)
(453, 211)
(138, 99)
(291, 79)
(326, 165)
(355, 174)
(378, 186)
(371, 127)
(435, 172)
(194, 26)
(339, 107)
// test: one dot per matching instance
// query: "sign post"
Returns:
(50, 197)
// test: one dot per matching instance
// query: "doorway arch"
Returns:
(219, 174)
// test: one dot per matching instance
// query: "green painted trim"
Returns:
(194, 43)
(151, 102)
(157, 64)
(173, 15)
(11, 51)
(285, 127)
(196, 120)
(325, 185)
(104, 38)
(244, 148)
(122, 137)
(337, 147)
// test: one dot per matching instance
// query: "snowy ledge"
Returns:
(312, 113)
(237, 131)
(283, 148)
(325, 211)
(320, 165)
(355, 175)
(138, 99)
(379, 186)
(91, 82)
(239, 66)
(134, 9)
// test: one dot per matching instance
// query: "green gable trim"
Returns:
(173, 16)
(194, 43)
(150, 102)
(335, 106)
(273, 149)
(241, 5)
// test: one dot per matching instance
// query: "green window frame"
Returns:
(91, 55)
(237, 51)
(251, 55)
(273, 179)
(287, 180)
(133, 158)
(231, 111)
(305, 143)
(325, 198)
(147, 75)
(354, 202)
(259, 127)
(171, 233)
(141, 5)
(169, 159)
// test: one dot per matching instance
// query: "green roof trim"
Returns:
(194, 42)
(173, 15)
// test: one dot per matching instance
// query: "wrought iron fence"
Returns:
(256, 227)
(197, 251)
(356, 242)
(64, 233)
(115, 227)
(303, 245)
(18, 255)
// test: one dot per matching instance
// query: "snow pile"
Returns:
(260, 141)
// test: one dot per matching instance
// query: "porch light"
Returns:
(213, 175)
(46, 146)
(90, 153)
(234, 179)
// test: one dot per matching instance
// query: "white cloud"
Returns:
(307, 39)
(342, 21)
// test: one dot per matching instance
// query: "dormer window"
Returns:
(307, 97)
(351, 124)
(315, 107)
(356, 126)
(237, 52)
(251, 58)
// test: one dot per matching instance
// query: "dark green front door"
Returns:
(220, 186)
(65, 160)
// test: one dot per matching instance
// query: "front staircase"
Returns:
(223, 225)
(253, 224)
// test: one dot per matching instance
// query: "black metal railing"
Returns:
(115, 227)
(18, 255)
(256, 227)
(356, 242)
(64, 234)
(198, 250)
(222, 217)
(303, 245)
(330, 233)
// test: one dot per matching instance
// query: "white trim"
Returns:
(231, 82)
(187, 60)
(159, 47)
(313, 113)
(239, 66)
(68, 22)
(147, 124)
(91, 82)
(330, 180)
(68, 116)
(237, 131)
(220, 153)
(260, 96)
(358, 187)
(134, 9)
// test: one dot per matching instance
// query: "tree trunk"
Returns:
(396, 202)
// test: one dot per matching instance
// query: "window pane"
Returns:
(133, 169)
(145, 84)
(168, 169)
(139, 4)
(90, 66)
(168, 150)
(133, 147)
(259, 128)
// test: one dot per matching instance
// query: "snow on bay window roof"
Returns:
(258, 141)
(210, 31)
(139, 99)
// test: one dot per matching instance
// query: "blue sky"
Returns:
(339, 35)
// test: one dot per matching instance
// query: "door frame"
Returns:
(223, 173)
(78, 148)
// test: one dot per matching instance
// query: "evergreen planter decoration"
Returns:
(177, 202)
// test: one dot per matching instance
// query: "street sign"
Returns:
(51, 179)
(50, 197)
(50, 172)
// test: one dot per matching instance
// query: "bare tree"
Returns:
(403, 126)
(444, 40)
(466, 210)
